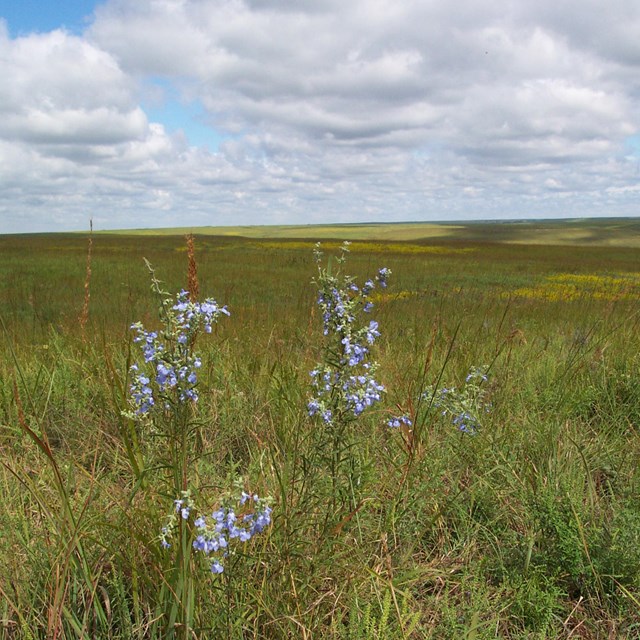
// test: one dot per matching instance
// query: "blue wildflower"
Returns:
(398, 421)
(345, 380)
(382, 276)
(174, 366)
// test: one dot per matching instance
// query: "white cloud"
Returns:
(332, 110)
(62, 90)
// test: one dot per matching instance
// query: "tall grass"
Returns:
(527, 528)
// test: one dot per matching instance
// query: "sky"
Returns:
(159, 113)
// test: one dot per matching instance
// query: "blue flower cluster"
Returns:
(465, 422)
(181, 511)
(215, 533)
(398, 421)
(463, 405)
(344, 384)
(190, 316)
(170, 364)
(141, 392)
(356, 392)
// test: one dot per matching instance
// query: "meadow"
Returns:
(492, 491)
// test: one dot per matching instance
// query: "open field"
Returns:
(525, 524)
(614, 232)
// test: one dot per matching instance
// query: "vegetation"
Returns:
(491, 491)
(620, 232)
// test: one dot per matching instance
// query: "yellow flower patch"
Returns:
(366, 247)
(567, 287)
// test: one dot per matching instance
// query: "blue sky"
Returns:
(25, 16)
(177, 113)
(149, 113)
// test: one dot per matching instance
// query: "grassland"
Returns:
(528, 529)
(613, 232)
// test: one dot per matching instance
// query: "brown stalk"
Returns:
(192, 274)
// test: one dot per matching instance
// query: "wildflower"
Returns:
(398, 421)
(165, 376)
(224, 527)
(263, 520)
(344, 384)
(141, 393)
(465, 405)
(313, 407)
(382, 276)
(368, 287)
(372, 332)
(163, 538)
(174, 376)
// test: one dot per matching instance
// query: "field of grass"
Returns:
(525, 527)
(613, 232)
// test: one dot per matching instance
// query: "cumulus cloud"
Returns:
(368, 109)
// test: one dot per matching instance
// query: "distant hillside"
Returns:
(622, 232)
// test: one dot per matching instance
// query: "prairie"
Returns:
(526, 526)
(621, 232)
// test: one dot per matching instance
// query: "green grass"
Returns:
(612, 232)
(530, 529)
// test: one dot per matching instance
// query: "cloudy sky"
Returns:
(150, 113)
